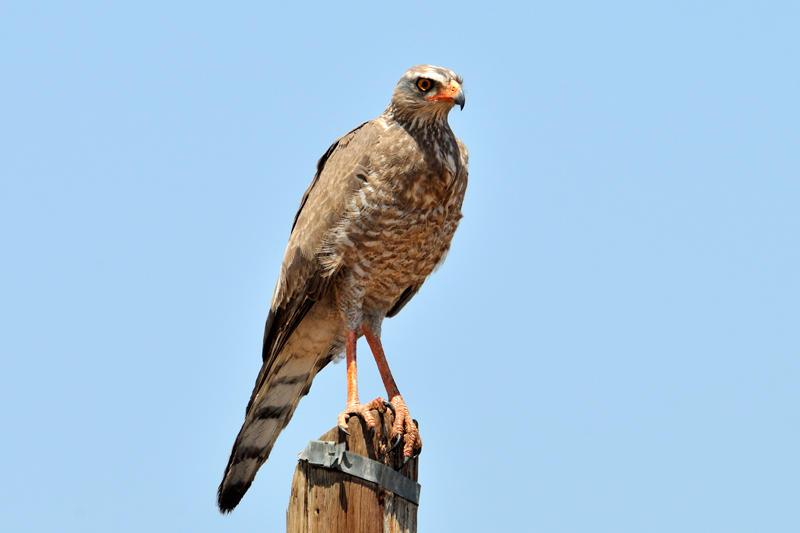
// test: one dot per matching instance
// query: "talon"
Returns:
(406, 460)
(356, 409)
(395, 442)
(405, 429)
(389, 406)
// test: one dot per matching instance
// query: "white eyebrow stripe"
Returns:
(431, 73)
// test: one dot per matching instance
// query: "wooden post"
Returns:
(328, 501)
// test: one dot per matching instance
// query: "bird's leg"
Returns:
(353, 406)
(404, 426)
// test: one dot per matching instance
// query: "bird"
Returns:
(376, 220)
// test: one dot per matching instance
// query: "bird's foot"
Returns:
(404, 429)
(362, 410)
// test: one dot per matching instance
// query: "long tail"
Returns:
(271, 407)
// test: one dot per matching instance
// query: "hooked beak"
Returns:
(452, 92)
(460, 99)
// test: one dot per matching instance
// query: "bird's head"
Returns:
(427, 92)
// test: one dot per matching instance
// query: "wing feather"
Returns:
(401, 302)
(302, 280)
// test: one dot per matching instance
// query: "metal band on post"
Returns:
(333, 455)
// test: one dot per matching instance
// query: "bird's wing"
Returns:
(291, 360)
(401, 302)
(303, 280)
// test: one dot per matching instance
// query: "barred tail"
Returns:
(270, 409)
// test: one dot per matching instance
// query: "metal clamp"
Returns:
(333, 455)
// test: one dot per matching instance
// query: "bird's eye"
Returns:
(424, 84)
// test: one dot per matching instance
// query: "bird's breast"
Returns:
(398, 241)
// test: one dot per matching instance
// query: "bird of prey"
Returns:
(376, 220)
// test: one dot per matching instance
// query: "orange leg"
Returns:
(352, 372)
(404, 425)
(353, 407)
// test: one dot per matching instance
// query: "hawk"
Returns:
(376, 220)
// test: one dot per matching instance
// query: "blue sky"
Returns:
(612, 344)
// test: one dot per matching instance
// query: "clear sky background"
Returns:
(612, 344)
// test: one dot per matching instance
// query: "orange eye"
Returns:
(424, 84)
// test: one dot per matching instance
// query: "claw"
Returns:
(390, 407)
(359, 410)
(405, 430)
(397, 440)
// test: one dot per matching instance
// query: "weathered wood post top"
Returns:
(354, 484)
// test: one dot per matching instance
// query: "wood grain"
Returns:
(324, 500)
